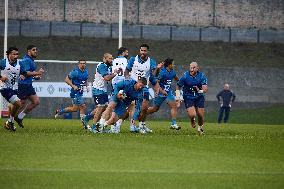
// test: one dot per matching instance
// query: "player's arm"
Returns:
(2, 67)
(68, 80)
(129, 67)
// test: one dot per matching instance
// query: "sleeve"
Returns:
(103, 70)
(180, 83)
(130, 63)
(73, 74)
(218, 96)
(2, 64)
(24, 66)
(234, 97)
(117, 87)
(204, 80)
(153, 64)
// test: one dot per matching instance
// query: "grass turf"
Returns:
(59, 154)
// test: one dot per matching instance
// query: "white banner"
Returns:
(61, 89)
(56, 89)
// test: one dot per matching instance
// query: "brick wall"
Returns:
(261, 14)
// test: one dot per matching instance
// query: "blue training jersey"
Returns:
(188, 83)
(27, 64)
(78, 78)
(128, 88)
(166, 77)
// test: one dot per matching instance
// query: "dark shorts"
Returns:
(101, 99)
(10, 95)
(25, 90)
(197, 102)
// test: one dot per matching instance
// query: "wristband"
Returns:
(177, 94)
(200, 91)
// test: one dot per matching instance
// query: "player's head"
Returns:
(82, 64)
(168, 63)
(32, 51)
(12, 54)
(141, 82)
(193, 68)
(226, 86)
(144, 48)
(107, 58)
(122, 51)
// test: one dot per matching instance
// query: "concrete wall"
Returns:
(45, 28)
(262, 14)
(253, 87)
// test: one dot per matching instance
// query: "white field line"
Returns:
(155, 171)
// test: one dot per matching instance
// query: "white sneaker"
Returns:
(114, 129)
(146, 129)
(142, 130)
(175, 126)
(200, 130)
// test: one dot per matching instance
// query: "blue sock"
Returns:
(174, 121)
(61, 111)
(88, 117)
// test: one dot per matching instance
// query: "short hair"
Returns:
(145, 45)
(121, 50)
(81, 60)
(168, 62)
(29, 47)
(10, 49)
(143, 80)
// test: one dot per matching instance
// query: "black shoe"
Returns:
(19, 121)
(10, 125)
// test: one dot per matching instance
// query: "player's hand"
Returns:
(3, 78)
(22, 77)
(230, 105)
(160, 65)
(41, 71)
(164, 92)
(75, 87)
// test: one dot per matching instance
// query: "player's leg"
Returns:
(227, 112)
(101, 102)
(76, 102)
(191, 112)
(173, 106)
(108, 111)
(199, 104)
(157, 103)
(143, 112)
(220, 114)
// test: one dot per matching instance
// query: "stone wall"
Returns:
(261, 14)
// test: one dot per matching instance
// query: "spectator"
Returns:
(225, 97)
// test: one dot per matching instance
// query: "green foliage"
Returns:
(59, 154)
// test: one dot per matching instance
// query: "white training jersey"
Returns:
(119, 63)
(12, 73)
(99, 82)
(141, 70)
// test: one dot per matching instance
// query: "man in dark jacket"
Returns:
(225, 98)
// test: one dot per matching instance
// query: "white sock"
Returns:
(141, 124)
(21, 115)
(11, 119)
(119, 122)
(102, 121)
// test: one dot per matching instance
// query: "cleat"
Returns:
(142, 130)
(94, 129)
(113, 129)
(200, 130)
(133, 129)
(10, 125)
(84, 122)
(146, 129)
(19, 122)
(175, 126)
(6, 126)
(56, 114)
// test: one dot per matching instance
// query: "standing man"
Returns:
(9, 75)
(194, 85)
(77, 79)
(225, 97)
(165, 78)
(142, 66)
(103, 77)
(119, 64)
(26, 90)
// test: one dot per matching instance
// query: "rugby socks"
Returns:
(174, 121)
(21, 115)
(11, 119)
(88, 116)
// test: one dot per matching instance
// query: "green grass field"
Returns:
(59, 154)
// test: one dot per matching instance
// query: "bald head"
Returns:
(193, 68)
(226, 86)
